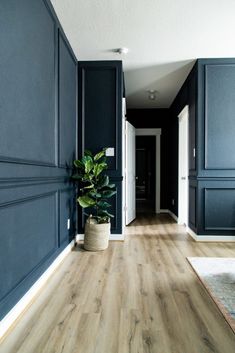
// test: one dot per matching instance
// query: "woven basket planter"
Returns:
(96, 236)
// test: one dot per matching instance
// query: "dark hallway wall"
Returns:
(100, 91)
(209, 91)
(38, 110)
(155, 119)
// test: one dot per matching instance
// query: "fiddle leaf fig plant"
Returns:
(96, 188)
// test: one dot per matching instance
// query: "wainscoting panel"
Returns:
(100, 110)
(28, 237)
(193, 205)
(67, 212)
(27, 84)
(192, 88)
(219, 209)
(216, 207)
(67, 103)
(219, 116)
(116, 202)
(100, 122)
(38, 112)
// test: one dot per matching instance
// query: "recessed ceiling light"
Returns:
(152, 97)
(152, 93)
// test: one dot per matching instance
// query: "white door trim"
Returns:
(130, 173)
(184, 113)
(157, 133)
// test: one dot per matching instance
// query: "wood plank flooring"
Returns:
(140, 296)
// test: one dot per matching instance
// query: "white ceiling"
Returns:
(164, 38)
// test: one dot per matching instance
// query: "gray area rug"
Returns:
(218, 276)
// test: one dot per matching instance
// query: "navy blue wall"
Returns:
(100, 122)
(38, 108)
(210, 92)
(155, 119)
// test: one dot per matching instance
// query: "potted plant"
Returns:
(94, 193)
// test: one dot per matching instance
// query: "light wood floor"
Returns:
(139, 296)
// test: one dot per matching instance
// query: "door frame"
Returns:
(157, 134)
(184, 113)
(130, 127)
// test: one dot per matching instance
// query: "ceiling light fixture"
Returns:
(151, 94)
(122, 50)
(152, 97)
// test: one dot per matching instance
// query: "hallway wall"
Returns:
(209, 90)
(38, 109)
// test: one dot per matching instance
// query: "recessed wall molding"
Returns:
(110, 109)
(219, 102)
(25, 179)
(219, 208)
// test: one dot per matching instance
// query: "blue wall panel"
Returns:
(26, 221)
(67, 103)
(219, 116)
(219, 209)
(27, 84)
(67, 205)
(192, 215)
(100, 122)
(38, 110)
(210, 95)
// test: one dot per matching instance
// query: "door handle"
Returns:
(183, 178)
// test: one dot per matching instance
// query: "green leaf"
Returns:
(103, 204)
(110, 186)
(108, 193)
(88, 163)
(89, 186)
(99, 155)
(99, 167)
(103, 181)
(78, 163)
(88, 153)
(85, 201)
(95, 194)
(105, 213)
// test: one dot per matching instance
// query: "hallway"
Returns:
(139, 296)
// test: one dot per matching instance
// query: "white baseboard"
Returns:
(202, 238)
(120, 237)
(22, 304)
(170, 213)
(210, 238)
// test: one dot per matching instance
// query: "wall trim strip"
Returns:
(26, 300)
(210, 238)
(202, 238)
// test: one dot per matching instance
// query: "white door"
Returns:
(183, 167)
(130, 174)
